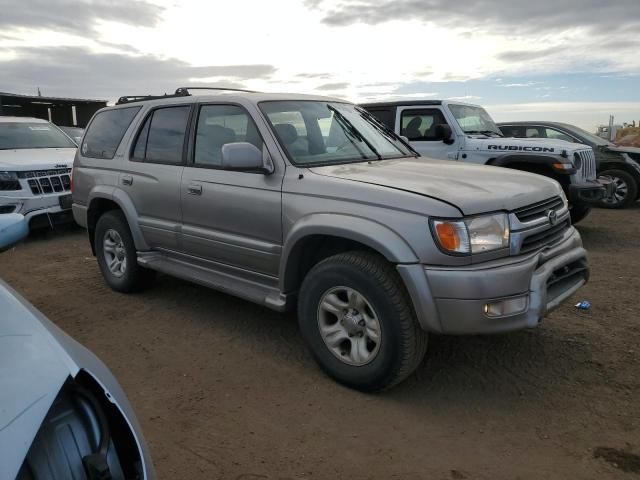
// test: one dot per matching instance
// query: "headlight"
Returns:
(8, 176)
(472, 235)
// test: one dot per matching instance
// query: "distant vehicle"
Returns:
(619, 165)
(308, 202)
(63, 414)
(35, 170)
(74, 132)
(450, 130)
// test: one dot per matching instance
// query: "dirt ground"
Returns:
(225, 389)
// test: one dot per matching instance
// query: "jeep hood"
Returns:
(471, 188)
(36, 158)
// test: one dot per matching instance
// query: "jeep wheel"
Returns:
(626, 191)
(356, 318)
(116, 253)
(579, 213)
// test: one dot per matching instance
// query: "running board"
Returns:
(219, 277)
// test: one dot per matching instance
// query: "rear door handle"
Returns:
(127, 180)
(194, 189)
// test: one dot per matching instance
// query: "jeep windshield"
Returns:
(316, 133)
(474, 119)
(21, 135)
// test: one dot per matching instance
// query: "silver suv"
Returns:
(310, 202)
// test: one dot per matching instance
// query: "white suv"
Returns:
(35, 170)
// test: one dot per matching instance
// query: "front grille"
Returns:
(588, 168)
(545, 238)
(48, 181)
(538, 210)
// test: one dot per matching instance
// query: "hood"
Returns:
(36, 158)
(33, 368)
(472, 188)
(503, 145)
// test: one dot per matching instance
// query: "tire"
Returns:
(579, 213)
(113, 236)
(626, 189)
(401, 344)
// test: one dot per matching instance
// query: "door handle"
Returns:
(127, 180)
(194, 189)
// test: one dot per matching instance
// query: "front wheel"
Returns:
(356, 318)
(626, 189)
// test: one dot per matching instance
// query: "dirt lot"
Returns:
(225, 389)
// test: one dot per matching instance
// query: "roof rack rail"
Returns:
(180, 92)
(185, 90)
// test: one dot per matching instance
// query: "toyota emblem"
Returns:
(552, 217)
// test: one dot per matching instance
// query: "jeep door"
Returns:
(418, 124)
(152, 174)
(230, 217)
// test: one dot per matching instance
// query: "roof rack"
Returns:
(180, 92)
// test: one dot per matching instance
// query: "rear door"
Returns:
(152, 174)
(418, 125)
(230, 217)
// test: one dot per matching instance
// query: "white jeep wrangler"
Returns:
(458, 131)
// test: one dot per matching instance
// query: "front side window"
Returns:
(106, 131)
(558, 135)
(21, 135)
(474, 119)
(219, 125)
(161, 139)
(320, 132)
(420, 125)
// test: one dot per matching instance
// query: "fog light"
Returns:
(507, 306)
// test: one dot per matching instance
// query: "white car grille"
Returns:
(588, 159)
(47, 181)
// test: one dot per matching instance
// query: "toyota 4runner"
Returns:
(459, 131)
(310, 202)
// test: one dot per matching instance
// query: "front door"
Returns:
(418, 124)
(230, 217)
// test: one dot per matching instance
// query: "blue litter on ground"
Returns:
(583, 305)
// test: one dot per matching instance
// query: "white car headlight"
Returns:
(472, 235)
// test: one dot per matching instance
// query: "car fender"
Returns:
(369, 232)
(546, 160)
(128, 208)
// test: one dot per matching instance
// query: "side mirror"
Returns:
(443, 132)
(243, 157)
(13, 228)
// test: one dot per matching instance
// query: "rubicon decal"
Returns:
(519, 148)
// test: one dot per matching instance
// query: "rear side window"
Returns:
(161, 139)
(106, 131)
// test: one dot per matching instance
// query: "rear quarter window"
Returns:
(106, 131)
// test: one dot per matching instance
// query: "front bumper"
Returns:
(453, 300)
(37, 206)
(590, 192)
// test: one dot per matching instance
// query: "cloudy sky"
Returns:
(570, 60)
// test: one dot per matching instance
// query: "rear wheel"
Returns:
(117, 256)
(626, 189)
(356, 318)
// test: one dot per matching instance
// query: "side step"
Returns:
(257, 288)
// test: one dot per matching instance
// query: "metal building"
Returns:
(64, 112)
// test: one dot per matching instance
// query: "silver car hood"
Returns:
(472, 188)
(36, 358)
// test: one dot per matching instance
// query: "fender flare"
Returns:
(369, 232)
(126, 205)
(545, 160)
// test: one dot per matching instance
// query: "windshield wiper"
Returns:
(386, 131)
(346, 124)
(484, 132)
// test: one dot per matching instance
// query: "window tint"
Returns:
(161, 139)
(511, 131)
(420, 124)
(386, 117)
(533, 132)
(221, 124)
(556, 134)
(106, 131)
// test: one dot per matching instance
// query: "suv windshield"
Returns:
(317, 132)
(590, 137)
(474, 119)
(19, 135)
